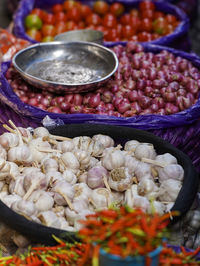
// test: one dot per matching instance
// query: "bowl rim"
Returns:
(61, 43)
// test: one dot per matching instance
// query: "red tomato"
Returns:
(100, 7)
(93, 19)
(111, 35)
(74, 14)
(147, 4)
(134, 38)
(60, 27)
(144, 36)
(147, 13)
(85, 11)
(100, 28)
(57, 8)
(47, 39)
(127, 32)
(117, 9)
(69, 4)
(134, 12)
(60, 16)
(48, 30)
(119, 29)
(34, 34)
(49, 18)
(109, 20)
(39, 12)
(125, 19)
(135, 22)
(81, 25)
(160, 26)
(158, 14)
(169, 28)
(155, 36)
(71, 25)
(170, 18)
(146, 25)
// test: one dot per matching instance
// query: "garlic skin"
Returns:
(145, 150)
(53, 176)
(14, 170)
(10, 199)
(169, 190)
(142, 169)
(105, 140)
(42, 200)
(93, 162)
(70, 161)
(113, 160)
(171, 171)
(2, 183)
(9, 140)
(131, 145)
(30, 170)
(82, 192)
(83, 158)
(4, 169)
(63, 223)
(49, 164)
(120, 179)
(95, 177)
(23, 207)
(82, 178)
(141, 202)
(166, 158)
(20, 154)
(17, 186)
(49, 218)
(131, 163)
(65, 146)
(146, 186)
(168, 206)
(37, 178)
(82, 142)
(101, 198)
(63, 192)
(69, 176)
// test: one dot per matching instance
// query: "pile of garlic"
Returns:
(57, 181)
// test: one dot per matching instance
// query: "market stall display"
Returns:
(177, 38)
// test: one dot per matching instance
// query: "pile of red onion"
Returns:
(145, 83)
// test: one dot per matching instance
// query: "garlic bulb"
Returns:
(120, 179)
(36, 145)
(70, 161)
(9, 140)
(40, 132)
(21, 154)
(14, 170)
(113, 160)
(131, 145)
(130, 195)
(10, 199)
(106, 141)
(30, 170)
(83, 158)
(82, 192)
(82, 178)
(42, 200)
(59, 210)
(70, 215)
(53, 176)
(64, 193)
(146, 186)
(166, 158)
(49, 218)
(157, 207)
(49, 164)
(93, 162)
(64, 146)
(3, 153)
(69, 176)
(96, 148)
(80, 205)
(64, 225)
(142, 169)
(169, 190)
(145, 150)
(101, 198)
(17, 186)
(141, 202)
(2, 183)
(168, 206)
(131, 163)
(95, 177)
(23, 207)
(118, 197)
(171, 171)
(4, 169)
(82, 142)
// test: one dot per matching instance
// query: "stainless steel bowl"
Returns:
(87, 35)
(69, 67)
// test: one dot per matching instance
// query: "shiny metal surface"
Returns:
(86, 35)
(69, 67)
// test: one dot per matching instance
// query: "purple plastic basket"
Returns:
(178, 39)
(181, 129)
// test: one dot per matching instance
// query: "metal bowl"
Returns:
(86, 35)
(69, 67)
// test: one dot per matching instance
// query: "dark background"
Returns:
(194, 34)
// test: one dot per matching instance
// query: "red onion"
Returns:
(159, 101)
(154, 107)
(147, 111)
(169, 96)
(86, 98)
(60, 100)
(33, 101)
(45, 101)
(109, 106)
(135, 107)
(65, 106)
(69, 98)
(161, 111)
(144, 102)
(107, 97)
(55, 109)
(171, 108)
(148, 91)
(94, 100)
(78, 99)
(123, 106)
(130, 84)
(76, 109)
(133, 96)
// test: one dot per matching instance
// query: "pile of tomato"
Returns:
(142, 24)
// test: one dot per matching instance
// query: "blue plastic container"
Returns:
(107, 259)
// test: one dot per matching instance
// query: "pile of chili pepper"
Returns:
(73, 254)
(124, 231)
(169, 257)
